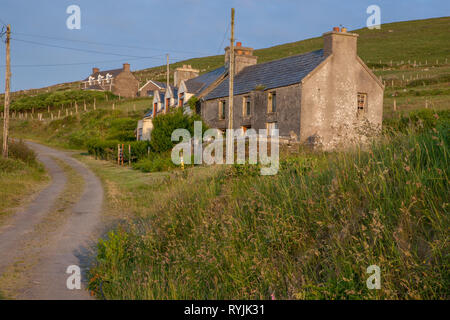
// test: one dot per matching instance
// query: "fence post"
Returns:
(129, 155)
(395, 105)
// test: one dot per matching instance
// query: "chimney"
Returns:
(126, 67)
(243, 57)
(184, 73)
(95, 70)
(339, 42)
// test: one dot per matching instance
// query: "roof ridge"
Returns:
(277, 60)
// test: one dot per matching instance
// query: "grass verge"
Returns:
(309, 232)
(20, 176)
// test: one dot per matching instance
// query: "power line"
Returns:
(106, 44)
(224, 37)
(75, 63)
(77, 49)
(87, 63)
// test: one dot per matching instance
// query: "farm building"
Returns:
(121, 82)
(326, 97)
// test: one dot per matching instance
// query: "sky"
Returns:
(44, 51)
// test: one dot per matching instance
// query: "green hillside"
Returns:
(418, 40)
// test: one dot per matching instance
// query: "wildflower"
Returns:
(272, 296)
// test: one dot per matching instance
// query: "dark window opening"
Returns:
(361, 104)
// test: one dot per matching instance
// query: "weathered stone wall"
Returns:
(329, 101)
(287, 114)
(125, 85)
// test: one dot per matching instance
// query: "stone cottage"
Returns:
(121, 82)
(326, 97)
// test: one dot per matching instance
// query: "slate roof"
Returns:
(149, 113)
(113, 72)
(198, 84)
(161, 97)
(273, 74)
(159, 84)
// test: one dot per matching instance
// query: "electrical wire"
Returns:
(106, 44)
(224, 37)
(78, 49)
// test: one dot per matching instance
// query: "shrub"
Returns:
(10, 165)
(164, 125)
(20, 151)
(155, 164)
(122, 129)
(103, 149)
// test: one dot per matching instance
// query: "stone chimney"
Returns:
(184, 73)
(126, 67)
(340, 43)
(95, 70)
(243, 57)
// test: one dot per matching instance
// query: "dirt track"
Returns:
(39, 252)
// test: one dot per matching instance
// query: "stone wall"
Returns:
(287, 115)
(125, 84)
(329, 102)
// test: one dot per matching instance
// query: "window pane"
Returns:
(274, 102)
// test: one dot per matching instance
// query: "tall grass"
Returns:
(20, 175)
(309, 232)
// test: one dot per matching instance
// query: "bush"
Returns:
(164, 125)
(122, 129)
(156, 163)
(103, 149)
(10, 165)
(19, 150)
(107, 149)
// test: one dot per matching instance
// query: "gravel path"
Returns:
(69, 243)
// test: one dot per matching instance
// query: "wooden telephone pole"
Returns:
(7, 80)
(230, 140)
(167, 84)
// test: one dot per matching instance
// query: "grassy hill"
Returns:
(418, 40)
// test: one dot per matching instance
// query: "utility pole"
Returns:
(7, 79)
(230, 140)
(167, 84)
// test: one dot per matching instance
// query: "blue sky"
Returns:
(182, 28)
